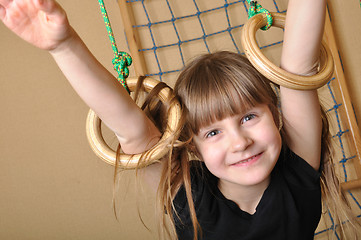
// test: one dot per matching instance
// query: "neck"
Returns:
(246, 197)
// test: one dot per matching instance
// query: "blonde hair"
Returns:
(210, 88)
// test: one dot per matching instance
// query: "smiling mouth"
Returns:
(248, 160)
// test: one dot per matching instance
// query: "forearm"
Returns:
(101, 92)
(301, 48)
(303, 34)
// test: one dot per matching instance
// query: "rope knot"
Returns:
(121, 62)
(256, 8)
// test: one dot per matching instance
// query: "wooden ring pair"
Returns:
(103, 151)
(255, 56)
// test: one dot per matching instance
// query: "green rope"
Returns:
(256, 8)
(121, 60)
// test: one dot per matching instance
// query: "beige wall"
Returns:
(52, 185)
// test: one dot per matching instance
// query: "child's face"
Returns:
(243, 149)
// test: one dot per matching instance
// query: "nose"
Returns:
(240, 141)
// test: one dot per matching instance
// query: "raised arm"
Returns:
(301, 109)
(44, 24)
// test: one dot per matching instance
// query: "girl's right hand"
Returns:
(43, 23)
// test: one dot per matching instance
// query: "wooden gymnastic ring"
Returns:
(103, 151)
(274, 73)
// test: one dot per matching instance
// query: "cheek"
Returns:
(208, 153)
(271, 136)
(275, 140)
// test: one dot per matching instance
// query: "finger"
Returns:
(3, 5)
(2, 12)
(49, 6)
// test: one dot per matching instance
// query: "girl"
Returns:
(257, 178)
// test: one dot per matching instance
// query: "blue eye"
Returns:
(212, 133)
(247, 118)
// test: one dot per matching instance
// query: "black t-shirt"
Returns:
(290, 207)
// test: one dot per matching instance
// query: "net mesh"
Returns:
(173, 32)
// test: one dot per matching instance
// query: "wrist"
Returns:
(66, 44)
